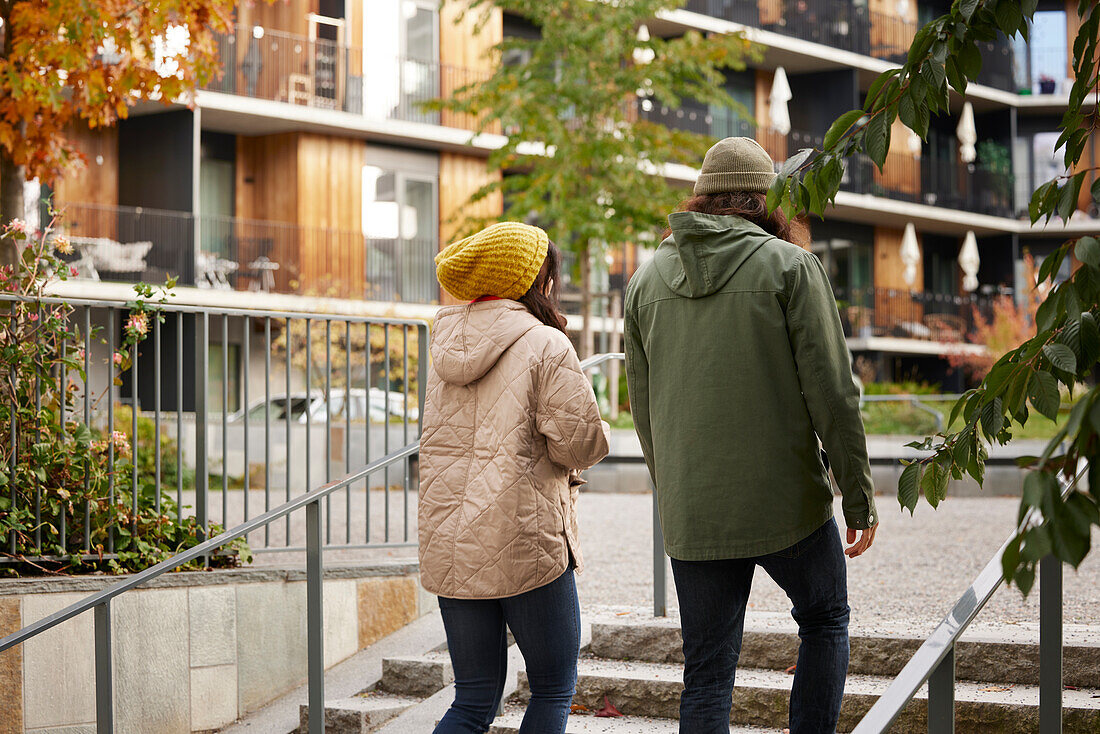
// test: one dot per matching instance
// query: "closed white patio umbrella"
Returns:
(779, 115)
(910, 254)
(967, 134)
(969, 261)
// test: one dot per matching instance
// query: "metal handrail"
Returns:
(153, 304)
(915, 401)
(101, 600)
(934, 660)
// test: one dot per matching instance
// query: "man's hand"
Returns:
(866, 537)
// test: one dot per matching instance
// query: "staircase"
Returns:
(637, 664)
(636, 661)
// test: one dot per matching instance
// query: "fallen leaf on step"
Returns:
(790, 670)
(577, 708)
(995, 689)
(608, 709)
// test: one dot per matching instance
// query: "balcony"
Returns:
(898, 313)
(324, 74)
(843, 25)
(833, 23)
(132, 244)
(925, 179)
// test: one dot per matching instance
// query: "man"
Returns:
(736, 367)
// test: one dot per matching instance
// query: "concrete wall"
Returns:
(194, 651)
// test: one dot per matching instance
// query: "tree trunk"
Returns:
(11, 175)
(587, 344)
(11, 204)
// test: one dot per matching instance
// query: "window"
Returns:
(400, 59)
(399, 225)
(847, 262)
(727, 122)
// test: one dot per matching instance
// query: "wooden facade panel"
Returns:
(892, 32)
(459, 177)
(464, 53)
(769, 139)
(288, 16)
(901, 171)
(330, 204)
(895, 313)
(97, 181)
(266, 189)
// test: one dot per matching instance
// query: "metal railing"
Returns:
(282, 67)
(130, 244)
(100, 602)
(934, 662)
(1045, 70)
(844, 25)
(896, 312)
(333, 392)
(916, 401)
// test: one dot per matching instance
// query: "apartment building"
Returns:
(310, 170)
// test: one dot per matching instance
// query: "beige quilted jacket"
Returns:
(508, 415)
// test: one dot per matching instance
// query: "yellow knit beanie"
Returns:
(501, 260)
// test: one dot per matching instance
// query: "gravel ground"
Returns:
(915, 571)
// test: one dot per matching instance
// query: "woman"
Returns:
(509, 418)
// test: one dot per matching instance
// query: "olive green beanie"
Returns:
(735, 164)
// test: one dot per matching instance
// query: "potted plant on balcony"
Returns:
(1046, 84)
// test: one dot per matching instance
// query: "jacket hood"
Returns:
(468, 340)
(705, 250)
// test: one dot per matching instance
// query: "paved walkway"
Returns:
(915, 571)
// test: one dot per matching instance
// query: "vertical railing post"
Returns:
(104, 685)
(941, 696)
(1050, 645)
(315, 631)
(202, 334)
(660, 582)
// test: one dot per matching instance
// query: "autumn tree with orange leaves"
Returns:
(66, 62)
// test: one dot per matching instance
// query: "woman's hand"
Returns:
(866, 537)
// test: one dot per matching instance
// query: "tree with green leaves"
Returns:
(66, 62)
(580, 160)
(1064, 351)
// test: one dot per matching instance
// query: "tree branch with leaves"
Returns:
(1066, 346)
(579, 159)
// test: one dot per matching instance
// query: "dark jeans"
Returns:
(546, 623)
(712, 598)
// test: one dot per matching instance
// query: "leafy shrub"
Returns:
(60, 478)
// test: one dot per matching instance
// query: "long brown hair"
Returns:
(542, 301)
(753, 206)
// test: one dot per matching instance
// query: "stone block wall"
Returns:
(192, 651)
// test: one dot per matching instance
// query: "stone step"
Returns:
(761, 697)
(581, 723)
(771, 643)
(359, 714)
(419, 675)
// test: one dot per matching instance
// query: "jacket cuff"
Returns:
(868, 518)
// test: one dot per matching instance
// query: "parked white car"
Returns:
(303, 408)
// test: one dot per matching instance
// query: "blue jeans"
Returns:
(712, 598)
(546, 623)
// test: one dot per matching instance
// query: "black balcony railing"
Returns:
(324, 74)
(889, 312)
(131, 244)
(834, 23)
(925, 179)
(844, 25)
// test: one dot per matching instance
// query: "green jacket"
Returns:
(736, 364)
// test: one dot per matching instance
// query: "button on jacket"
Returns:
(508, 415)
(736, 365)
